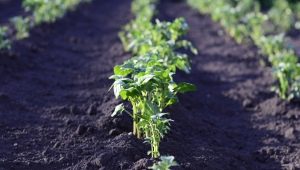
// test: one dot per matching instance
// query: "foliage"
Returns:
(4, 41)
(40, 11)
(281, 15)
(49, 11)
(22, 26)
(146, 80)
(165, 164)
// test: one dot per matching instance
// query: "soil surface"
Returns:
(55, 105)
(9, 9)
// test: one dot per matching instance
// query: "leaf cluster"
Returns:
(49, 10)
(4, 41)
(22, 26)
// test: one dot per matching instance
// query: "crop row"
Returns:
(244, 20)
(40, 11)
(146, 79)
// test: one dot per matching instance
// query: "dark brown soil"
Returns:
(9, 9)
(233, 121)
(55, 106)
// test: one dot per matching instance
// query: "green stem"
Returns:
(134, 116)
(154, 143)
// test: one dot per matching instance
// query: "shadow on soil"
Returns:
(213, 126)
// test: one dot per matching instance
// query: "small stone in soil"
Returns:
(292, 116)
(61, 158)
(114, 132)
(142, 164)
(247, 103)
(96, 162)
(74, 110)
(45, 160)
(80, 130)
(68, 121)
(45, 152)
(63, 110)
(102, 159)
(56, 145)
(92, 110)
(90, 130)
(124, 165)
(289, 133)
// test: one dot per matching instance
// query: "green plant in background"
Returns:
(49, 11)
(296, 11)
(271, 45)
(254, 22)
(4, 41)
(295, 90)
(287, 71)
(22, 26)
(40, 11)
(281, 16)
(244, 19)
(285, 65)
(145, 8)
(165, 163)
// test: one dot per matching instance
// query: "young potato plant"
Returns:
(145, 8)
(254, 22)
(146, 80)
(49, 10)
(40, 11)
(4, 41)
(281, 16)
(22, 26)
(147, 83)
(165, 163)
(284, 63)
(162, 37)
(244, 19)
(287, 71)
(296, 11)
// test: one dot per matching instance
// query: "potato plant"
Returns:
(4, 41)
(146, 79)
(49, 11)
(40, 11)
(244, 20)
(22, 26)
(281, 15)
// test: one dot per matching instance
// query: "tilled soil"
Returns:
(9, 9)
(234, 120)
(55, 105)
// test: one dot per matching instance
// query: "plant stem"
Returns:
(134, 116)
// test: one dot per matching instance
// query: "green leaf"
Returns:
(185, 87)
(172, 101)
(145, 79)
(119, 70)
(118, 109)
(123, 94)
(117, 87)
